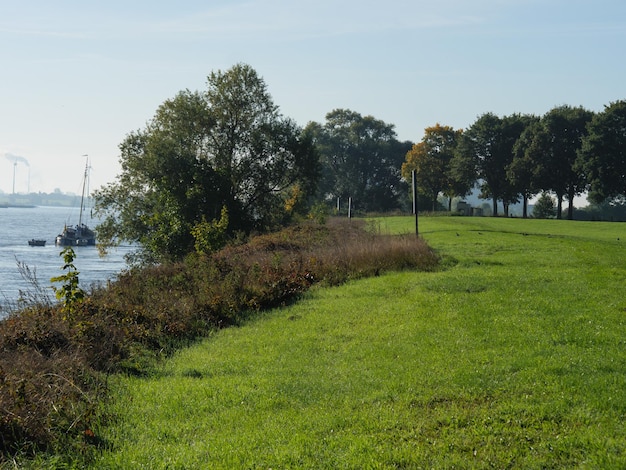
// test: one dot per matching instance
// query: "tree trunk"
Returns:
(570, 209)
(495, 206)
(449, 204)
(559, 206)
(525, 207)
(506, 209)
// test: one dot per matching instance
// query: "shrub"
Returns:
(70, 294)
(544, 207)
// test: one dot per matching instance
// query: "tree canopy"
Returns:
(554, 150)
(486, 150)
(227, 148)
(361, 159)
(603, 153)
(431, 160)
(521, 171)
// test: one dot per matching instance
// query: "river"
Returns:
(20, 224)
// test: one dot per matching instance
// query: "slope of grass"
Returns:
(55, 359)
(512, 357)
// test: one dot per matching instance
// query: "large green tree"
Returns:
(512, 127)
(603, 153)
(228, 147)
(484, 152)
(521, 170)
(554, 148)
(361, 159)
(431, 160)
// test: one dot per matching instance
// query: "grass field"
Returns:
(511, 356)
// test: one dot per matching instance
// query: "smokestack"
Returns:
(17, 159)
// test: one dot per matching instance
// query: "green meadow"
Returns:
(511, 355)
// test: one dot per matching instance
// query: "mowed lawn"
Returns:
(513, 355)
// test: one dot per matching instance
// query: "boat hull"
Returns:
(81, 235)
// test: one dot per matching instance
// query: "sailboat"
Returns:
(79, 235)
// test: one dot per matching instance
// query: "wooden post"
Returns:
(414, 181)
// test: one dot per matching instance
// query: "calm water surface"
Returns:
(18, 225)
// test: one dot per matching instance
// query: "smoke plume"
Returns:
(16, 158)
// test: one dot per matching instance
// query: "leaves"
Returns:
(69, 293)
(202, 151)
(431, 159)
(211, 236)
(487, 149)
(554, 148)
(361, 159)
(603, 153)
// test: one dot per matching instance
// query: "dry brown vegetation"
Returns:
(53, 368)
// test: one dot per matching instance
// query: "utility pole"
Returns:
(414, 181)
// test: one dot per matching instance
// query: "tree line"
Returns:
(215, 164)
(568, 151)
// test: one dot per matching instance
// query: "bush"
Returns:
(544, 207)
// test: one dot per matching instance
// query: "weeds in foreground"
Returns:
(70, 292)
(35, 294)
(53, 371)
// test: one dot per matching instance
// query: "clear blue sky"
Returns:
(77, 76)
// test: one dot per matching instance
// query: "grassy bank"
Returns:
(511, 357)
(56, 360)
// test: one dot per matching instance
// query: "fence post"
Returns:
(414, 181)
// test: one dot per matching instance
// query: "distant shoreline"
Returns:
(39, 199)
(19, 206)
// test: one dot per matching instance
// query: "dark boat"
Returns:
(79, 235)
(35, 242)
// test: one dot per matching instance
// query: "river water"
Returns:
(18, 225)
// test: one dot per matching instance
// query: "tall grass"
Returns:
(512, 357)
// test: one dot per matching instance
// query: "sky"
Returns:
(76, 77)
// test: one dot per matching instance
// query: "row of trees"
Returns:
(568, 151)
(213, 163)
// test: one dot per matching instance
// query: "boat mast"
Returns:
(82, 198)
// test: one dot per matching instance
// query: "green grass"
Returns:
(513, 356)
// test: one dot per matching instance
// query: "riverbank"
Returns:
(57, 361)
